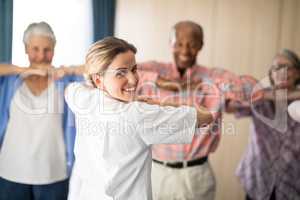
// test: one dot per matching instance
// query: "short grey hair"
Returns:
(291, 56)
(39, 29)
(197, 31)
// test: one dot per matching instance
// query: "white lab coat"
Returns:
(113, 143)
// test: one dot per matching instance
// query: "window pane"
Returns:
(71, 21)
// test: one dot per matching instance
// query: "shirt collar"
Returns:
(188, 72)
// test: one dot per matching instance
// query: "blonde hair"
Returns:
(101, 54)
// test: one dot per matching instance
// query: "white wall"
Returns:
(240, 35)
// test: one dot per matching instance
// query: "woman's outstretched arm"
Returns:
(204, 116)
(9, 69)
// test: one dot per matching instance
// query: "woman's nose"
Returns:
(281, 75)
(132, 78)
(41, 56)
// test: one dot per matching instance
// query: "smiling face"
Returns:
(283, 74)
(40, 50)
(120, 79)
(187, 44)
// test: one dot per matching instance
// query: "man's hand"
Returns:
(192, 85)
(178, 85)
(148, 100)
(168, 84)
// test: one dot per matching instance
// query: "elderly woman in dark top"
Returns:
(36, 129)
(270, 168)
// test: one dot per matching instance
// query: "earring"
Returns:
(98, 83)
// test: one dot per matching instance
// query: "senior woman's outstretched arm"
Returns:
(9, 69)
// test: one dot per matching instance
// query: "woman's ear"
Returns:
(97, 80)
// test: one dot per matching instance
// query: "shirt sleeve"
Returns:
(165, 125)
(80, 98)
(227, 82)
(294, 110)
(147, 81)
(210, 97)
(74, 78)
(234, 87)
(247, 91)
(241, 90)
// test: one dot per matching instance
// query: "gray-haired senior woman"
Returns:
(270, 168)
(36, 127)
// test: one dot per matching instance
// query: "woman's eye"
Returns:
(121, 73)
(47, 50)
